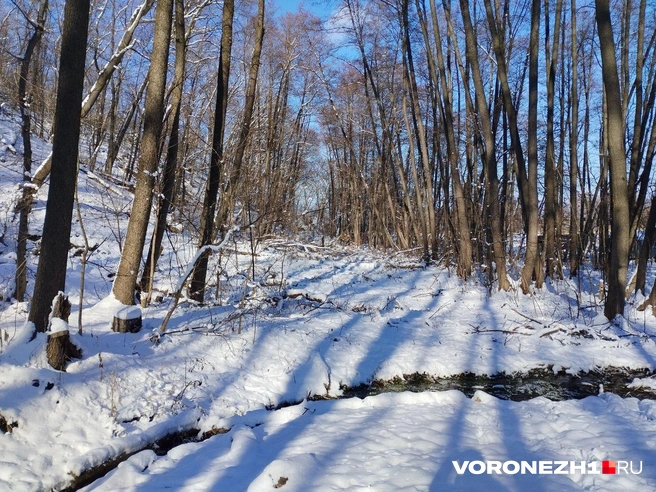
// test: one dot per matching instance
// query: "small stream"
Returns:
(519, 387)
(516, 387)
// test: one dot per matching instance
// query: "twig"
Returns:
(524, 316)
(507, 332)
(190, 268)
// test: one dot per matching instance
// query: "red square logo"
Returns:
(608, 468)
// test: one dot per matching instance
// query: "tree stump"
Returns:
(60, 349)
(56, 350)
(127, 320)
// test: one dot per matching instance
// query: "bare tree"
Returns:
(104, 77)
(51, 272)
(24, 97)
(619, 259)
(126, 278)
(213, 183)
(488, 153)
(172, 150)
(574, 240)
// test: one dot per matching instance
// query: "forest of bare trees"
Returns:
(511, 139)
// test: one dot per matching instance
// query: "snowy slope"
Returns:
(308, 322)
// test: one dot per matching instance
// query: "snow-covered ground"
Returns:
(408, 441)
(298, 320)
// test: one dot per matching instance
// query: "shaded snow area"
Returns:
(408, 441)
(286, 320)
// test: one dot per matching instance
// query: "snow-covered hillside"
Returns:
(294, 320)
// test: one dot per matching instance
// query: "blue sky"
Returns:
(321, 8)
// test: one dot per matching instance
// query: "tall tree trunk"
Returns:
(228, 198)
(618, 182)
(420, 134)
(197, 284)
(168, 178)
(574, 241)
(463, 239)
(103, 78)
(527, 182)
(551, 58)
(489, 153)
(51, 272)
(24, 205)
(126, 279)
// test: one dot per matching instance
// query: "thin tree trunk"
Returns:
(527, 182)
(645, 251)
(125, 126)
(24, 205)
(199, 275)
(228, 198)
(489, 157)
(463, 239)
(419, 132)
(574, 241)
(551, 56)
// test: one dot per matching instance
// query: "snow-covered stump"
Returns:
(127, 320)
(60, 349)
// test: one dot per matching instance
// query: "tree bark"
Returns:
(24, 205)
(168, 178)
(126, 279)
(619, 259)
(51, 272)
(199, 275)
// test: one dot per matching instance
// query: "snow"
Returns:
(57, 325)
(128, 312)
(407, 441)
(311, 321)
(375, 321)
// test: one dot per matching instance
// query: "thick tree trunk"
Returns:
(51, 272)
(105, 75)
(168, 178)
(618, 266)
(126, 279)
